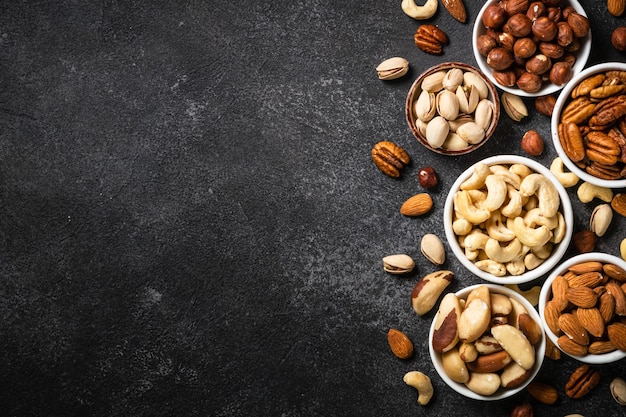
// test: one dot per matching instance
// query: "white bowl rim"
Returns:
(546, 291)
(502, 393)
(548, 264)
(554, 123)
(581, 56)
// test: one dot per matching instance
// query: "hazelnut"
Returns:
(538, 64)
(532, 143)
(523, 410)
(618, 38)
(554, 14)
(500, 58)
(494, 17)
(513, 7)
(574, 46)
(566, 11)
(427, 177)
(506, 40)
(505, 78)
(585, 241)
(518, 25)
(536, 10)
(544, 28)
(564, 34)
(545, 104)
(551, 3)
(524, 48)
(484, 44)
(560, 73)
(551, 50)
(530, 83)
(569, 58)
(579, 24)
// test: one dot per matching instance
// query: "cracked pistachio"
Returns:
(437, 131)
(600, 220)
(447, 105)
(392, 68)
(471, 132)
(398, 264)
(452, 79)
(470, 78)
(514, 106)
(425, 106)
(483, 114)
(434, 81)
(432, 248)
(618, 390)
(454, 142)
(468, 98)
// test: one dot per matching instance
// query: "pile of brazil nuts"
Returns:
(486, 341)
(507, 218)
(453, 110)
(586, 307)
(592, 125)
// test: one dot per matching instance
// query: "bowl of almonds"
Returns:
(486, 342)
(508, 219)
(452, 108)
(582, 305)
(531, 48)
(589, 125)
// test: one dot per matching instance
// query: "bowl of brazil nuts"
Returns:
(508, 220)
(531, 48)
(452, 108)
(582, 305)
(486, 342)
(589, 125)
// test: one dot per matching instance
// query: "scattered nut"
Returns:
(532, 143)
(581, 381)
(600, 220)
(542, 392)
(390, 158)
(616, 7)
(523, 410)
(422, 384)
(428, 289)
(430, 38)
(432, 248)
(618, 38)
(423, 12)
(427, 177)
(618, 390)
(417, 205)
(622, 249)
(618, 203)
(567, 179)
(400, 344)
(514, 106)
(545, 104)
(587, 192)
(585, 241)
(392, 68)
(398, 264)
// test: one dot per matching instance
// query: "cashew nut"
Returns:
(535, 218)
(474, 243)
(514, 207)
(516, 267)
(558, 233)
(546, 192)
(497, 230)
(422, 384)
(587, 192)
(419, 12)
(496, 269)
(462, 226)
(530, 236)
(477, 180)
(543, 251)
(509, 176)
(567, 179)
(468, 210)
(532, 294)
(520, 170)
(496, 192)
(503, 254)
(532, 261)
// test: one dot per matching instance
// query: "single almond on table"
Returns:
(400, 344)
(456, 8)
(542, 392)
(417, 205)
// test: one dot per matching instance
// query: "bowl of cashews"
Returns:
(508, 219)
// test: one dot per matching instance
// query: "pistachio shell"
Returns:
(453, 79)
(433, 82)
(600, 220)
(421, 126)
(454, 142)
(471, 132)
(470, 78)
(398, 264)
(392, 68)
(483, 114)
(447, 105)
(437, 131)
(514, 106)
(432, 248)
(618, 390)
(425, 106)
(462, 119)
(468, 98)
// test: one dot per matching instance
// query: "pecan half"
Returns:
(390, 158)
(572, 141)
(582, 381)
(430, 39)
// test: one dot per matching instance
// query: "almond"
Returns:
(616, 291)
(400, 344)
(615, 272)
(570, 347)
(544, 393)
(582, 297)
(587, 279)
(617, 335)
(559, 292)
(570, 325)
(616, 7)
(551, 314)
(606, 305)
(589, 266)
(600, 347)
(456, 8)
(417, 205)
(591, 320)
(552, 351)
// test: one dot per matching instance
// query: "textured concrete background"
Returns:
(191, 223)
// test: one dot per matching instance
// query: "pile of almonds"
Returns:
(530, 43)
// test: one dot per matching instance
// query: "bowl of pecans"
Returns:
(582, 304)
(452, 108)
(589, 125)
(531, 48)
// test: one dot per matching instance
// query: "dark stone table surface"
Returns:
(190, 221)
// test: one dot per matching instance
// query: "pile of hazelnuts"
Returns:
(530, 43)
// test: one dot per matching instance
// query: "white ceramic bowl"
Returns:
(546, 295)
(558, 250)
(502, 393)
(561, 103)
(416, 89)
(548, 88)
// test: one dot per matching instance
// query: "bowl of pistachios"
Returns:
(452, 108)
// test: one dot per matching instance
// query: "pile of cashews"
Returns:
(507, 218)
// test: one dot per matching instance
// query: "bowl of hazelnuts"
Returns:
(531, 48)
